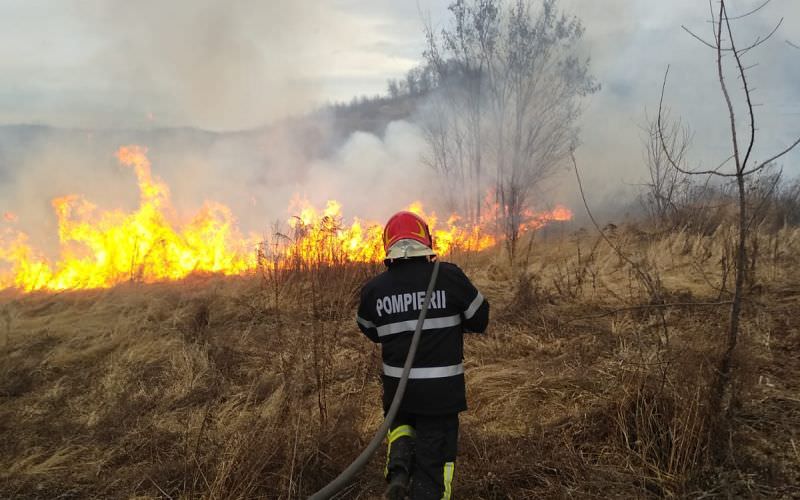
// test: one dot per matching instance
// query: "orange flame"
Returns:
(10, 217)
(103, 248)
(454, 236)
(536, 220)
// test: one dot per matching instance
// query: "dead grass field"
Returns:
(254, 388)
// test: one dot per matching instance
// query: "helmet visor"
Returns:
(407, 248)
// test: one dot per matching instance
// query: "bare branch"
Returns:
(723, 163)
(698, 37)
(721, 76)
(770, 160)
(765, 199)
(660, 127)
(742, 16)
(646, 280)
(741, 164)
(740, 66)
(668, 155)
(760, 40)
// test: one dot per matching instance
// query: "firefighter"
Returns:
(421, 450)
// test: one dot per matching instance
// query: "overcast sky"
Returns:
(225, 65)
(208, 63)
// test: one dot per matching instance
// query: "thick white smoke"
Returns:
(258, 175)
(238, 65)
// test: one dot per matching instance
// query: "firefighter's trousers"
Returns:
(424, 447)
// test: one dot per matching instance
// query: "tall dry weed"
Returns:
(213, 388)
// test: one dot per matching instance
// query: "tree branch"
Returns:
(742, 16)
(760, 40)
(729, 103)
(740, 66)
(698, 37)
(770, 160)
(646, 280)
(757, 210)
(668, 155)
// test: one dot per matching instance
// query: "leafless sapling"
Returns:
(739, 167)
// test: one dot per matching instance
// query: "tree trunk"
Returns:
(722, 395)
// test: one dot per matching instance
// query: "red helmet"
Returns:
(407, 235)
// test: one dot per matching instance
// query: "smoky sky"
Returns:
(631, 44)
(239, 64)
(202, 63)
(227, 66)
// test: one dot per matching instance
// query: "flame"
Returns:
(101, 248)
(320, 236)
(536, 220)
(10, 217)
(454, 235)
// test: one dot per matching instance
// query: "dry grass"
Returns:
(236, 388)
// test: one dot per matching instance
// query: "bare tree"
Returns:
(456, 128)
(508, 99)
(738, 167)
(668, 190)
(393, 89)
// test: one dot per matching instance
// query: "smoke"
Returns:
(629, 56)
(259, 174)
(375, 176)
(218, 65)
(261, 178)
(131, 72)
(202, 63)
(238, 65)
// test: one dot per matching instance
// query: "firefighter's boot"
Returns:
(398, 486)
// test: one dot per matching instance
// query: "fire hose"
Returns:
(349, 473)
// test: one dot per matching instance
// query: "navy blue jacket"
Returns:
(387, 314)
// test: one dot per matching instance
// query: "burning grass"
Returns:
(261, 386)
(103, 248)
